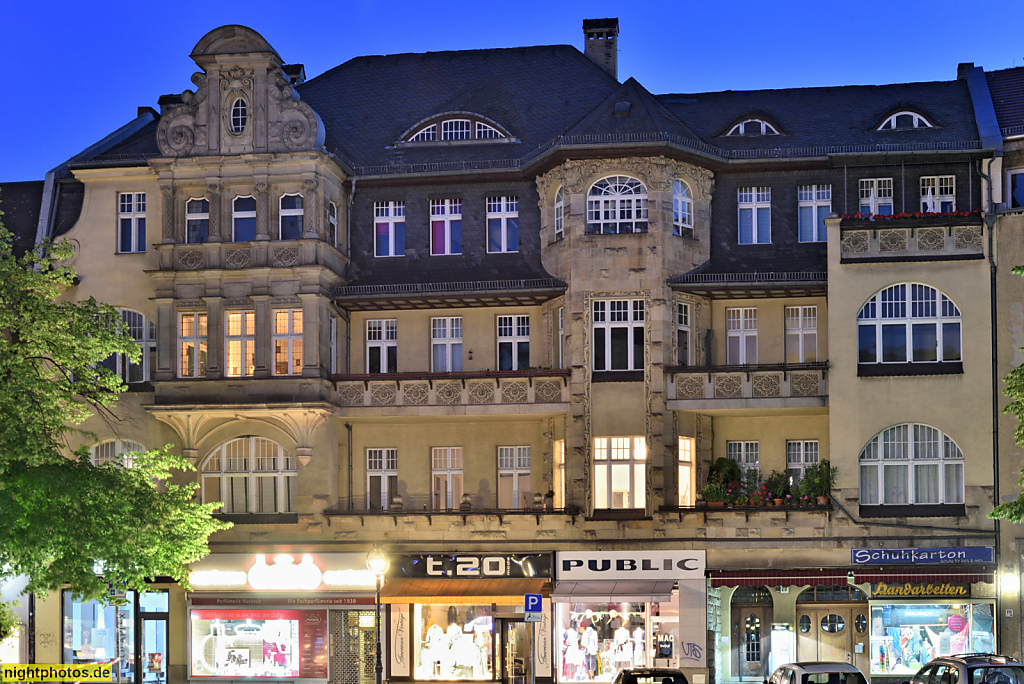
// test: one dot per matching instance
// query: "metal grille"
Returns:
(353, 637)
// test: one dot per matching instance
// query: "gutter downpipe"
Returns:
(348, 327)
(348, 427)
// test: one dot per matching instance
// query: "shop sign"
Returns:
(282, 601)
(920, 589)
(930, 556)
(630, 565)
(282, 572)
(473, 566)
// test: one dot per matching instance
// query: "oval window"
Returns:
(805, 624)
(239, 116)
(832, 623)
(861, 623)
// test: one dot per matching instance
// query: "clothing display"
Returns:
(456, 643)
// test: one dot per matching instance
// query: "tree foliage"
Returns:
(1014, 510)
(63, 517)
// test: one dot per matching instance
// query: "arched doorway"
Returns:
(752, 613)
(832, 624)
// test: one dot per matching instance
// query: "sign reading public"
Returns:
(630, 565)
(473, 565)
(931, 556)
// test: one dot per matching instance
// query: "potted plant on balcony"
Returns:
(819, 480)
(778, 486)
(714, 494)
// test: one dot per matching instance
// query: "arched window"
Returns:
(251, 475)
(905, 120)
(617, 204)
(144, 334)
(682, 209)
(465, 127)
(559, 213)
(197, 220)
(911, 463)
(908, 323)
(753, 127)
(290, 217)
(239, 115)
(119, 451)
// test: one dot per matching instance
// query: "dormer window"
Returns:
(428, 134)
(460, 128)
(239, 115)
(753, 127)
(905, 121)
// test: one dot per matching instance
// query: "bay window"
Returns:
(618, 326)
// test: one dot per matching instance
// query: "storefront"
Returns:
(460, 617)
(622, 609)
(15, 648)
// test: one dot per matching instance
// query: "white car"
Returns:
(817, 673)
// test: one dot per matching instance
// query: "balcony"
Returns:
(243, 255)
(466, 393)
(803, 385)
(928, 238)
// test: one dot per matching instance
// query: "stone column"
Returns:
(166, 339)
(214, 337)
(262, 210)
(311, 209)
(263, 356)
(168, 228)
(311, 335)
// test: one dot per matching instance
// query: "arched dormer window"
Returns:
(911, 464)
(682, 209)
(559, 213)
(119, 451)
(239, 115)
(753, 127)
(251, 475)
(617, 204)
(904, 121)
(453, 128)
(908, 323)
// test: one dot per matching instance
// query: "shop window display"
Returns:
(599, 639)
(454, 642)
(905, 636)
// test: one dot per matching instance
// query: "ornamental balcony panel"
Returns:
(241, 391)
(931, 238)
(233, 256)
(764, 386)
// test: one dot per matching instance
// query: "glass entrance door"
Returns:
(517, 651)
(154, 641)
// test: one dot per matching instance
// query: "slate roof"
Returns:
(630, 109)
(20, 204)
(137, 148)
(1007, 89)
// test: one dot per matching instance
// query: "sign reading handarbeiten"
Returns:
(931, 556)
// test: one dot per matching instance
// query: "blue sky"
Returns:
(77, 71)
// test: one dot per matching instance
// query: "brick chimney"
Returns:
(600, 43)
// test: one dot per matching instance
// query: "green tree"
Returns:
(1014, 510)
(64, 519)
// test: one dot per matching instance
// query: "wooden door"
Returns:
(751, 639)
(832, 633)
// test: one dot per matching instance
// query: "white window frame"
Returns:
(1014, 177)
(561, 337)
(938, 194)
(756, 204)
(765, 128)
(487, 132)
(240, 334)
(239, 116)
(558, 474)
(198, 219)
(682, 209)
(391, 217)
(382, 465)
(745, 454)
(252, 461)
(503, 224)
(456, 129)
(801, 334)
(918, 121)
(332, 222)
(143, 332)
(687, 482)
(425, 134)
(619, 460)
(909, 305)
(446, 344)
(514, 464)
(291, 212)
(559, 213)
(800, 454)
(876, 197)
(817, 201)
(513, 332)
(381, 334)
(237, 215)
(909, 449)
(119, 451)
(447, 215)
(287, 340)
(131, 222)
(617, 204)
(610, 315)
(741, 336)
(684, 336)
(195, 342)
(446, 469)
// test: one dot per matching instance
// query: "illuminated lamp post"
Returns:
(377, 562)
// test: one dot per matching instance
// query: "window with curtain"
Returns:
(911, 463)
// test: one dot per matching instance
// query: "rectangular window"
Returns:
(745, 454)
(801, 334)
(197, 221)
(561, 337)
(618, 334)
(514, 477)
(332, 223)
(287, 341)
(558, 485)
(502, 224)
(381, 478)
(513, 342)
(447, 473)
(131, 222)
(814, 204)
(682, 333)
(876, 196)
(741, 336)
(446, 344)
(389, 229)
(800, 455)
(240, 343)
(382, 346)
(445, 227)
(1015, 188)
(938, 194)
(290, 217)
(144, 334)
(332, 345)
(243, 219)
(191, 345)
(456, 129)
(755, 215)
(559, 215)
(620, 475)
(687, 472)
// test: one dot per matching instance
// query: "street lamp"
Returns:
(377, 562)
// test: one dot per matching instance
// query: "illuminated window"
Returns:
(514, 477)
(191, 344)
(251, 475)
(239, 343)
(620, 479)
(287, 341)
(687, 472)
(911, 463)
(558, 486)
(381, 478)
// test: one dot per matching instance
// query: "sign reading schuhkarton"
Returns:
(630, 565)
(473, 565)
(931, 556)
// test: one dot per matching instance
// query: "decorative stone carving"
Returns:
(893, 240)
(237, 258)
(168, 218)
(728, 386)
(656, 173)
(415, 393)
(190, 260)
(930, 239)
(515, 392)
(286, 256)
(767, 385)
(856, 241)
(967, 237)
(689, 386)
(481, 392)
(547, 391)
(383, 393)
(350, 394)
(448, 392)
(804, 384)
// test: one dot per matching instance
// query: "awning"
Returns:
(934, 574)
(508, 592)
(613, 592)
(776, 578)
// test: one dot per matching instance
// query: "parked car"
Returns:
(971, 668)
(650, 675)
(818, 673)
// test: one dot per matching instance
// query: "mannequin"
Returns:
(589, 643)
